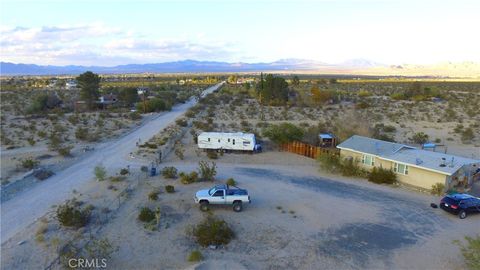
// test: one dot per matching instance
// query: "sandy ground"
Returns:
(299, 218)
(17, 212)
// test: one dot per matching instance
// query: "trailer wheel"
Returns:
(204, 206)
(237, 206)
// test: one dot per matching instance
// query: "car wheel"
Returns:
(204, 206)
(462, 214)
(237, 206)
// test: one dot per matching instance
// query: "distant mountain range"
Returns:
(354, 67)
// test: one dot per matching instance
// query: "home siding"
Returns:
(416, 176)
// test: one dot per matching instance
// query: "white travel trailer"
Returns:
(228, 141)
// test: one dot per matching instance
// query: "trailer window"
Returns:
(228, 139)
(208, 139)
(233, 141)
(218, 140)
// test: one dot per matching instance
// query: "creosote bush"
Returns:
(100, 172)
(71, 215)
(195, 256)
(29, 163)
(188, 178)
(212, 155)
(437, 189)
(207, 170)
(153, 195)
(212, 231)
(382, 176)
(124, 171)
(146, 215)
(169, 172)
(169, 189)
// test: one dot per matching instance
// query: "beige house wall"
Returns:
(416, 176)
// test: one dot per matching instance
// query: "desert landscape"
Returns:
(290, 222)
(212, 135)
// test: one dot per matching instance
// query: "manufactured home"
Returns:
(228, 141)
(413, 166)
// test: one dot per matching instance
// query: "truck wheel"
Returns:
(237, 206)
(462, 214)
(204, 206)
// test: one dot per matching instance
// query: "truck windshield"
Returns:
(211, 191)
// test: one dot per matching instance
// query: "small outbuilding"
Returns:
(326, 140)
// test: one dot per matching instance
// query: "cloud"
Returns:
(99, 44)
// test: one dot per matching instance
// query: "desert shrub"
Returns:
(134, 116)
(467, 135)
(169, 172)
(471, 251)
(169, 189)
(153, 195)
(188, 178)
(283, 133)
(179, 152)
(212, 231)
(350, 167)
(437, 189)
(71, 215)
(212, 155)
(65, 151)
(330, 163)
(99, 248)
(146, 215)
(124, 171)
(117, 178)
(31, 141)
(231, 182)
(100, 172)
(207, 170)
(195, 256)
(81, 134)
(397, 96)
(181, 122)
(419, 138)
(148, 145)
(382, 176)
(29, 163)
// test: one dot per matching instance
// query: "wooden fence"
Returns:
(308, 150)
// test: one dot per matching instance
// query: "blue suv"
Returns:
(460, 204)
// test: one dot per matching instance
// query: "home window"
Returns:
(400, 168)
(368, 160)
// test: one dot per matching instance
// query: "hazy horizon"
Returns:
(108, 33)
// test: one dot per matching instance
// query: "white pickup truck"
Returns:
(222, 195)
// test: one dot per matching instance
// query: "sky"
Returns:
(109, 33)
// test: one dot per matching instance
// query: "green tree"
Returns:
(284, 133)
(295, 80)
(89, 83)
(128, 96)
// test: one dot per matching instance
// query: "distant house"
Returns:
(415, 167)
(107, 100)
(142, 90)
(71, 84)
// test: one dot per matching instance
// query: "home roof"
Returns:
(396, 152)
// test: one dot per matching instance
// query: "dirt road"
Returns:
(30, 205)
